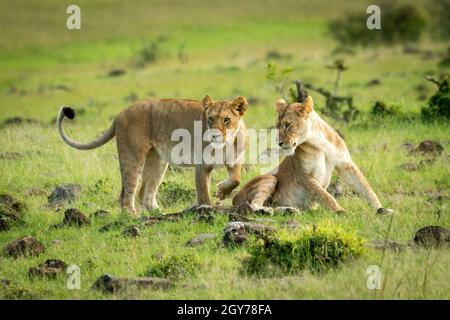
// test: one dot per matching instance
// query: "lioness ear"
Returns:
(206, 102)
(281, 105)
(240, 104)
(308, 105)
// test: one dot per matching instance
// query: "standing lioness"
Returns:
(145, 145)
(301, 179)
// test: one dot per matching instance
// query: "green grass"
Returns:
(226, 45)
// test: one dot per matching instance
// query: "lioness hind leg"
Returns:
(131, 165)
(152, 175)
(253, 195)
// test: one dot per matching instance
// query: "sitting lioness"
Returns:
(145, 143)
(314, 149)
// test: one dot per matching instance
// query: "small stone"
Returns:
(108, 284)
(432, 236)
(74, 217)
(201, 238)
(292, 224)
(65, 193)
(407, 146)
(131, 231)
(429, 147)
(50, 268)
(234, 234)
(116, 72)
(12, 203)
(409, 166)
(101, 214)
(4, 283)
(56, 242)
(27, 245)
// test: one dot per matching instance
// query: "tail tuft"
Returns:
(69, 112)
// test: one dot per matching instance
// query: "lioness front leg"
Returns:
(202, 183)
(351, 174)
(225, 187)
(253, 195)
(321, 194)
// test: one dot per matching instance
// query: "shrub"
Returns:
(399, 23)
(174, 266)
(380, 109)
(316, 248)
(149, 54)
(439, 104)
(174, 192)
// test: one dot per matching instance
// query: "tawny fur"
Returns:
(143, 132)
(301, 179)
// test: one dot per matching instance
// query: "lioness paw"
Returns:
(222, 190)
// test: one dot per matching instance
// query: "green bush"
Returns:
(382, 110)
(172, 192)
(315, 248)
(439, 104)
(174, 266)
(399, 24)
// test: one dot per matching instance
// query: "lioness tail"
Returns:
(104, 138)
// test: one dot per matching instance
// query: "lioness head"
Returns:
(223, 118)
(294, 123)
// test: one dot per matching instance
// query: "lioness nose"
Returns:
(280, 144)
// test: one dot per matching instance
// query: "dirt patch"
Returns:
(24, 246)
(387, 244)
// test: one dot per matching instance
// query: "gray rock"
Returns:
(201, 238)
(409, 166)
(432, 236)
(108, 284)
(24, 246)
(74, 217)
(101, 214)
(131, 231)
(50, 268)
(236, 232)
(65, 193)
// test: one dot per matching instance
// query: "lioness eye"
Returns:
(226, 120)
(287, 125)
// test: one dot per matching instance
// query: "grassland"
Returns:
(223, 48)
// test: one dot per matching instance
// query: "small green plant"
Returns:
(173, 192)
(317, 248)
(439, 104)
(149, 54)
(174, 266)
(382, 110)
